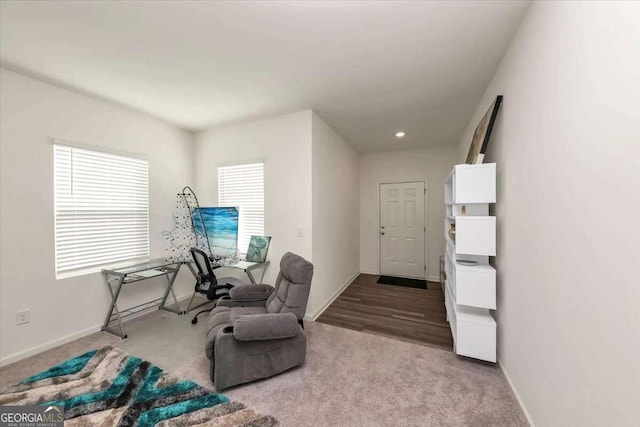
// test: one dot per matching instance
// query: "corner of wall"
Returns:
(335, 214)
(194, 164)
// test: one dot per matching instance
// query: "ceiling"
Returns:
(369, 69)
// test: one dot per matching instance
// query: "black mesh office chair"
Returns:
(206, 282)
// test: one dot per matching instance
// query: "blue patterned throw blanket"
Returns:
(107, 387)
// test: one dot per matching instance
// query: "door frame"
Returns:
(426, 226)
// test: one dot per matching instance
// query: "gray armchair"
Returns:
(259, 332)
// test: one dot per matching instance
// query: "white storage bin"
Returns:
(476, 235)
(473, 329)
(476, 335)
(474, 183)
(475, 285)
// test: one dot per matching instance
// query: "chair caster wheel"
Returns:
(194, 320)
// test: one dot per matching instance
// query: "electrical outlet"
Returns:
(23, 316)
(300, 232)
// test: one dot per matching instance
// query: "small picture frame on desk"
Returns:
(258, 248)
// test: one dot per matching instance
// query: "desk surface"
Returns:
(140, 266)
(242, 265)
(158, 263)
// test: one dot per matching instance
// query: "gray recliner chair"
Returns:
(259, 332)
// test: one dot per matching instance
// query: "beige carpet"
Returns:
(350, 378)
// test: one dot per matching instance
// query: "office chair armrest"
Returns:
(271, 326)
(248, 293)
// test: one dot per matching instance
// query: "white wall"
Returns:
(284, 143)
(31, 114)
(336, 235)
(431, 165)
(567, 145)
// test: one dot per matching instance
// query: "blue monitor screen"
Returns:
(221, 225)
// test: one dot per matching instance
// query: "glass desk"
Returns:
(117, 277)
(125, 274)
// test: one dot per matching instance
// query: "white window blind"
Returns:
(242, 186)
(101, 208)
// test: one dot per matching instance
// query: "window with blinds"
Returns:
(242, 186)
(101, 209)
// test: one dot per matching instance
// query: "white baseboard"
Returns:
(7, 360)
(318, 312)
(433, 279)
(49, 345)
(515, 392)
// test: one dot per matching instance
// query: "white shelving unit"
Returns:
(470, 290)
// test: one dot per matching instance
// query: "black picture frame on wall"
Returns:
(482, 133)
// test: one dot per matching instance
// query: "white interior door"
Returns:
(402, 230)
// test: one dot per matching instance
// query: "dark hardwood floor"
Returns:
(415, 315)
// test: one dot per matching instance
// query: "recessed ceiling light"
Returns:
(399, 134)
